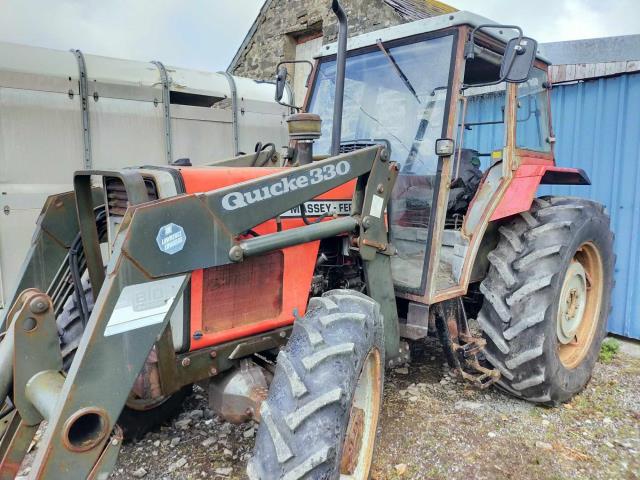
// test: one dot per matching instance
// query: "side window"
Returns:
(482, 130)
(532, 126)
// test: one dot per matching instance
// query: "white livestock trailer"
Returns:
(65, 111)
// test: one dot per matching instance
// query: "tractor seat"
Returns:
(413, 194)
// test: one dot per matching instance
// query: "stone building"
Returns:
(297, 29)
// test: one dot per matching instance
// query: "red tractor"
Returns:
(286, 283)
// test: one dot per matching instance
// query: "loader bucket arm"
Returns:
(56, 228)
(143, 281)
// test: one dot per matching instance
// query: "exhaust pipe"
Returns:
(340, 72)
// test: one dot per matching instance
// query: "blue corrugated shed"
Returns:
(597, 125)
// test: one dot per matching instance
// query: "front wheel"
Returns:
(547, 298)
(319, 420)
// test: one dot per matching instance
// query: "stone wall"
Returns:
(286, 20)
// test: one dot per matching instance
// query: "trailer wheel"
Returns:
(547, 298)
(319, 420)
(136, 418)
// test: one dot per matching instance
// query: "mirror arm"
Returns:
(470, 51)
(295, 107)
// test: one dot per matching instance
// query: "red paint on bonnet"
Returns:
(299, 261)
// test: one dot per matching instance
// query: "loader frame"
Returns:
(82, 408)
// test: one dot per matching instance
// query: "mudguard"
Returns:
(525, 182)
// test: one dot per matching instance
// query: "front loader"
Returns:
(404, 207)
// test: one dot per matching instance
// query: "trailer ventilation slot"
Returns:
(194, 99)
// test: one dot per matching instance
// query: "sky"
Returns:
(205, 34)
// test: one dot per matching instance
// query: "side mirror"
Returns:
(281, 82)
(515, 65)
(518, 59)
(445, 147)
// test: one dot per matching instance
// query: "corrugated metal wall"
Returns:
(597, 124)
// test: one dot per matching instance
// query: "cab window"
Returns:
(532, 125)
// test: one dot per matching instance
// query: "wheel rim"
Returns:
(579, 307)
(357, 451)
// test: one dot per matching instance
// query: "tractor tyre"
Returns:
(547, 298)
(134, 421)
(319, 420)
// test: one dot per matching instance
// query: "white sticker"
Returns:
(377, 202)
(143, 305)
(171, 238)
(316, 208)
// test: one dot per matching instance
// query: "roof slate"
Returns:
(412, 10)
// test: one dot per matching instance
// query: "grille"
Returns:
(117, 199)
(242, 293)
(348, 146)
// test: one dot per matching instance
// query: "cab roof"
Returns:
(426, 25)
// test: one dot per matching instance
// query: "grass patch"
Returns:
(609, 349)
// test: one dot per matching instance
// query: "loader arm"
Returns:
(147, 273)
(56, 229)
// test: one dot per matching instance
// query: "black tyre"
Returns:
(547, 298)
(136, 418)
(319, 420)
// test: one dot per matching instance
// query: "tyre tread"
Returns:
(520, 288)
(300, 399)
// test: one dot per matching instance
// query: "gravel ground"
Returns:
(435, 427)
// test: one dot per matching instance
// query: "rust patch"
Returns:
(242, 294)
(353, 442)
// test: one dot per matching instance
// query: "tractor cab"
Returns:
(459, 101)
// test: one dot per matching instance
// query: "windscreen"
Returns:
(395, 93)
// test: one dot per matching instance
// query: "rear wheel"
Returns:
(320, 418)
(547, 298)
(138, 416)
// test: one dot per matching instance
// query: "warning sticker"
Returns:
(171, 239)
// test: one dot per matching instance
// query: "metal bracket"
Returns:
(461, 347)
(166, 105)
(37, 352)
(14, 446)
(416, 326)
(6, 418)
(370, 202)
(234, 111)
(84, 98)
(107, 461)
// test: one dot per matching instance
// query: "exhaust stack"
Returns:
(340, 72)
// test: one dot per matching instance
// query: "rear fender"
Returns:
(526, 180)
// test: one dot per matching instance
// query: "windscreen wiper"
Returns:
(397, 68)
(422, 130)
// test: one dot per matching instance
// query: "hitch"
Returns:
(462, 353)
